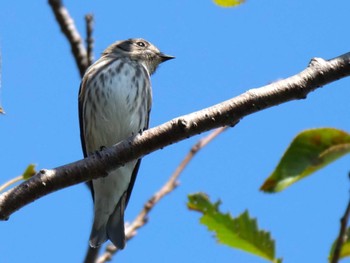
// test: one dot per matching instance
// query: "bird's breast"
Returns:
(119, 100)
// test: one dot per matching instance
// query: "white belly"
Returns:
(119, 114)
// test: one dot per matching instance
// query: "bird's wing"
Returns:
(137, 166)
(81, 119)
(81, 125)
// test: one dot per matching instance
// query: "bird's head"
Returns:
(139, 50)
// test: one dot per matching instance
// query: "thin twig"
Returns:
(167, 188)
(342, 236)
(89, 19)
(11, 182)
(68, 28)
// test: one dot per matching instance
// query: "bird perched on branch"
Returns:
(115, 100)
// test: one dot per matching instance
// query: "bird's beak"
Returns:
(165, 57)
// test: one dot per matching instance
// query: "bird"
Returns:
(114, 100)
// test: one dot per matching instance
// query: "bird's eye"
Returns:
(140, 44)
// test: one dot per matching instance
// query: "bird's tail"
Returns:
(112, 228)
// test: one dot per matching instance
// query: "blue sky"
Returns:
(220, 53)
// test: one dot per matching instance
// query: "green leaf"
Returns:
(228, 3)
(29, 172)
(345, 249)
(241, 232)
(309, 151)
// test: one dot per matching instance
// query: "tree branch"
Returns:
(228, 113)
(167, 188)
(89, 19)
(342, 235)
(69, 30)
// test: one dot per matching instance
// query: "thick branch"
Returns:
(318, 73)
(69, 30)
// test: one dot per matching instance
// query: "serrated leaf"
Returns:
(29, 172)
(345, 249)
(309, 151)
(241, 232)
(228, 3)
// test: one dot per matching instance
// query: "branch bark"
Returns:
(89, 20)
(228, 113)
(68, 28)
